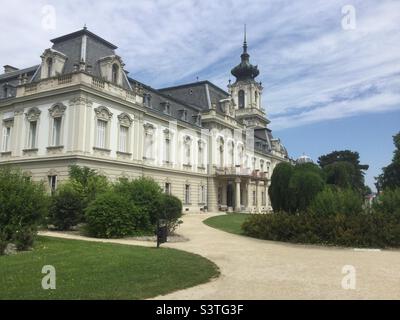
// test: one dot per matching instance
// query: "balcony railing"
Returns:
(240, 171)
(82, 78)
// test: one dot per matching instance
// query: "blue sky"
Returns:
(325, 87)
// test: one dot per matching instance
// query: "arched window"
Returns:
(49, 67)
(221, 152)
(241, 99)
(115, 72)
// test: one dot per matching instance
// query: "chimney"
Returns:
(8, 69)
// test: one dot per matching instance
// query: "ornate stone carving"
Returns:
(148, 128)
(57, 110)
(125, 120)
(80, 101)
(33, 114)
(167, 134)
(103, 113)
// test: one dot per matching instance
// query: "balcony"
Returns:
(80, 78)
(237, 171)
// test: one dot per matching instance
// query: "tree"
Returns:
(306, 182)
(279, 189)
(342, 174)
(390, 177)
(23, 205)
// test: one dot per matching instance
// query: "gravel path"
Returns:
(258, 269)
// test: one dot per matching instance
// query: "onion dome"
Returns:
(245, 70)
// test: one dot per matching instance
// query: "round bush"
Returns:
(111, 215)
(67, 207)
(172, 211)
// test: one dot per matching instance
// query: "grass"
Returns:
(92, 270)
(231, 222)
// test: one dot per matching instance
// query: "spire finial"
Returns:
(84, 27)
(245, 40)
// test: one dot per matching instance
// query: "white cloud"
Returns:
(311, 68)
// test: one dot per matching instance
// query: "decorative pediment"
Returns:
(33, 114)
(103, 113)
(125, 120)
(57, 110)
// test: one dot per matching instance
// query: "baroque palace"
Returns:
(209, 147)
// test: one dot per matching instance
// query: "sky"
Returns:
(330, 69)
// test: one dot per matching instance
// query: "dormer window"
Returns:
(147, 100)
(167, 107)
(115, 73)
(184, 116)
(49, 67)
(241, 99)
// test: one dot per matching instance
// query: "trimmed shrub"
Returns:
(23, 206)
(388, 202)
(67, 207)
(145, 193)
(355, 230)
(172, 212)
(332, 201)
(111, 215)
(278, 191)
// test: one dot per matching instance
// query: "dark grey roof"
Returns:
(10, 80)
(79, 34)
(176, 107)
(202, 94)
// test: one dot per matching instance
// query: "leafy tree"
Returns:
(306, 182)
(279, 189)
(341, 175)
(23, 206)
(67, 207)
(88, 183)
(390, 178)
(144, 193)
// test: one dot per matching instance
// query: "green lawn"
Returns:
(92, 270)
(231, 222)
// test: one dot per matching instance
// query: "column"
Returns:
(224, 191)
(237, 195)
(257, 196)
(266, 195)
(249, 196)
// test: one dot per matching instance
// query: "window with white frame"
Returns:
(148, 146)
(103, 116)
(202, 196)
(221, 152)
(262, 165)
(123, 138)
(7, 125)
(187, 144)
(32, 117)
(200, 160)
(56, 122)
(231, 151)
(101, 133)
(187, 193)
(167, 146)
(125, 122)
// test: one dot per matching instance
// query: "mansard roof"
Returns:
(79, 34)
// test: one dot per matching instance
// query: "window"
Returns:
(53, 183)
(56, 140)
(241, 99)
(101, 133)
(254, 198)
(49, 67)
(254, 163)
(184, 115)
(261, 165)
(147, 100)
(115, 73)
(5, 92)
(200, 160)
(231, 154)
(167, 150)
(148, 151)
(187, 193)
(187, 153)
(123, 138)
(167, 188)
(256, 97)
(6, 138)
(202, 194)
(263, 198)
(32, 134)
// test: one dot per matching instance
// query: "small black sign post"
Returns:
(161, 232)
